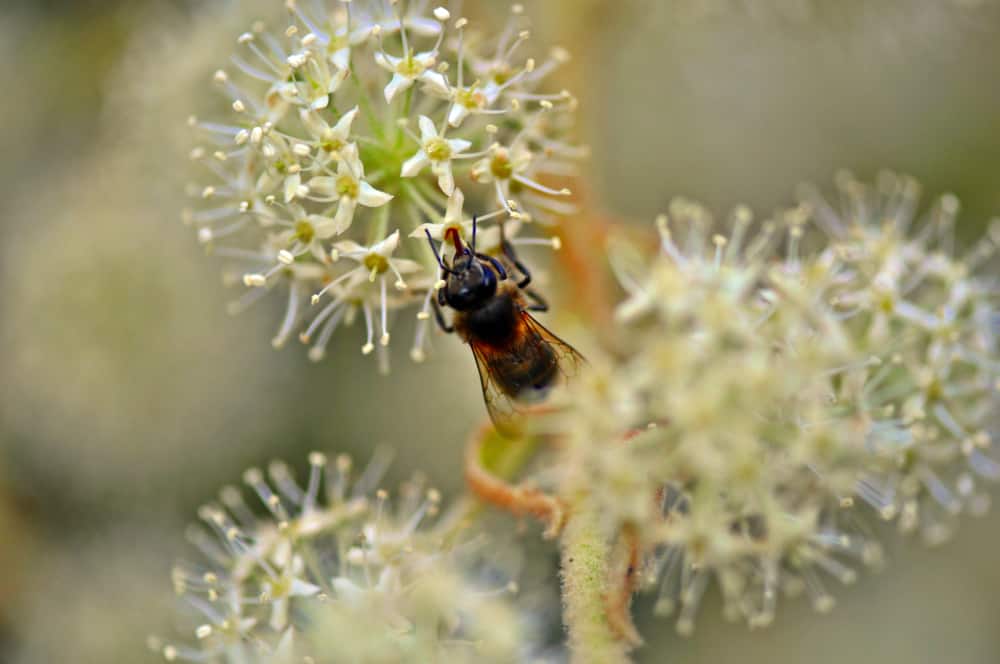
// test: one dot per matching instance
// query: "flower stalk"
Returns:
(585, 554)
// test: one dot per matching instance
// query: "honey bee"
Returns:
(519, 361)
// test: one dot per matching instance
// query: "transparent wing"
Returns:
(567, 357)
(516, 379)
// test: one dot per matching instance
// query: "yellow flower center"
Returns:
(331, 144)
(502, 74)
(409, 67)
(376, 263)
(471, 99)
(347, 186)
(304, 231)
(500, 166)
(438, 149)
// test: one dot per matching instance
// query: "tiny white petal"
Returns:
(396, 85)
(414, 165)
(369, 196)
(427, 129)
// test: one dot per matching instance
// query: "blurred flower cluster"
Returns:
(778, 383)
(337, 571)
(360, 125)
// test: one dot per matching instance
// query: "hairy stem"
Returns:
(585, 553)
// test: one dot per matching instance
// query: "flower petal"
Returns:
(455, 204)
(457, 115)
(369, 196)
(343, 127)
(320, 102)
(388, 245)
(427, 129)
(387, 61)
(323, 185)
(435, 83)
(337, 79)
(325, 227)
(292, 184)
(351, 249)
(314, 124)
(396, 85)
(446, 181)
(345, 214)
(414, 165)
(436, 231)
(459, 145)
(341, 58)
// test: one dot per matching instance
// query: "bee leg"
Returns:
(439, 315)
(538, 302)
(497, 265)
(508, 250)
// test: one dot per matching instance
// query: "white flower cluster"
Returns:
(777, 380)
(336, 572)
(363, 123)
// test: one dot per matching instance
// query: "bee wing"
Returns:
(568, 358)
(505, 409)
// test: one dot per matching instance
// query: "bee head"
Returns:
(470, 283)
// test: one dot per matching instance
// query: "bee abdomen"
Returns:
(528, 379)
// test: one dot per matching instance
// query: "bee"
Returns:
(519, 361)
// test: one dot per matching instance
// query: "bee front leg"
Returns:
(437, 303)
(538, 302)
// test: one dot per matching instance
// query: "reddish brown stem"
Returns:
(622, 585)
(516, 499)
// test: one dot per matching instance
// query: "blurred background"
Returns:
(129, 395)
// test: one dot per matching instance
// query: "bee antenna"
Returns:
(437, 256)
(475, 225)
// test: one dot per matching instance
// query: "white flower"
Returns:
(437, 152)
(334, 569)
(470, 100)
(409, 69)
(504, 165)
(377, 259)
(349, 187)
(306, 155)
(328, 140)
(307, 233)
(452, 219)
(374, 262)
(313, 79)
(486, 238)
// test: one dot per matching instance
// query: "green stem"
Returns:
(365, 103)
(585, 554)
(407, 105)
(421, 202)
(381, 225)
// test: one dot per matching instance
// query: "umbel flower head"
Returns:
(351, 128)
(337, 571)
(779, 385)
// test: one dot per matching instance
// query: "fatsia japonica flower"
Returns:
(350, 129)
(778, 385)
(334, 569)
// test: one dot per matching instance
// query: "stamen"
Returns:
(369, 346)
